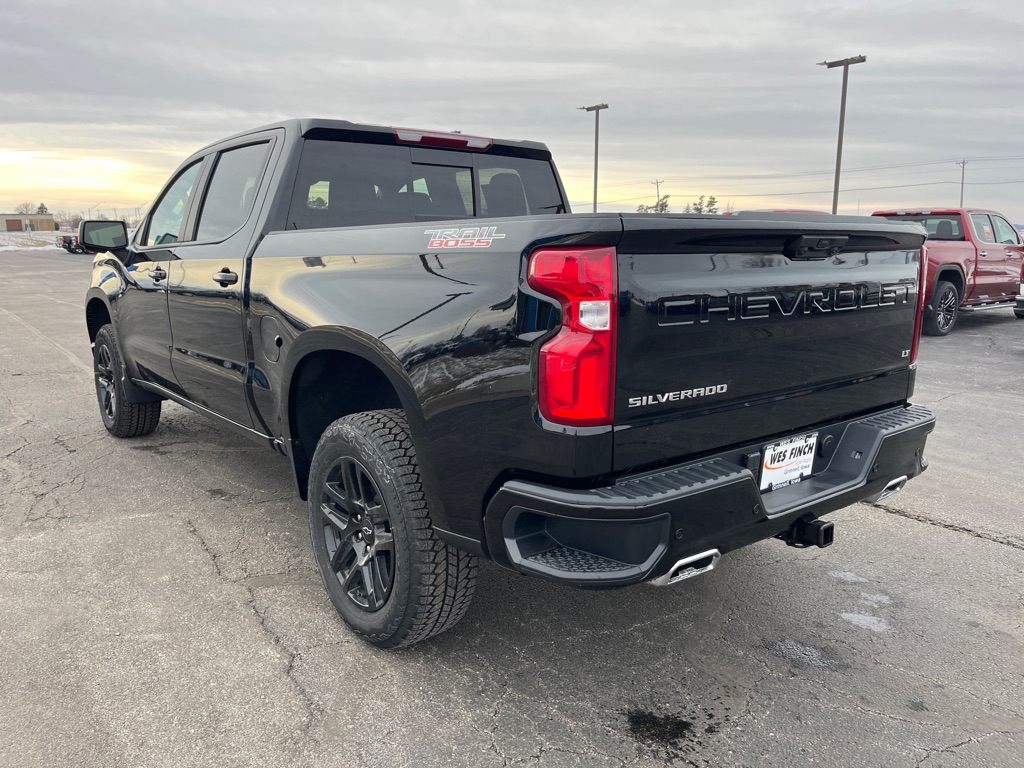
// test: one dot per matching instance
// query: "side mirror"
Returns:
(97, 236)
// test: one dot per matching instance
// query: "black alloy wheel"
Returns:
(389, 576)
(357, 533)
(941, 316)
(121, 417)
(105, 391)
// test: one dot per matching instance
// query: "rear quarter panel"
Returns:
(450, 321)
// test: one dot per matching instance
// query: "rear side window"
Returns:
(342, 184)
(983, 227)
(232, 189)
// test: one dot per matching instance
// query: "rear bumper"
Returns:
(640, 526)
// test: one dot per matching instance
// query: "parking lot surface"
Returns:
(159, 604)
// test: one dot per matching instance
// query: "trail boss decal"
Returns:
(468, 237)
(682, 394)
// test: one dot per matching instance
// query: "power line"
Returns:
(827, 191)
(799, 174)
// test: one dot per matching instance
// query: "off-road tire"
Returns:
(941, 314)
(121, 418)
(370, 525)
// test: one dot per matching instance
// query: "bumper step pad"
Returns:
(568, 560)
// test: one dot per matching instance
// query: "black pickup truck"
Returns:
(456, 367)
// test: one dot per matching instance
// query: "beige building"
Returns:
(28, 222)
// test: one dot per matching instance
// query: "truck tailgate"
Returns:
(746, 328)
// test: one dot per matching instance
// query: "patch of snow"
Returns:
(875, 600)
(863, 621)
(21, 241)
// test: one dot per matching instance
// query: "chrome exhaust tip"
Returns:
(893, 487)
(689, 567)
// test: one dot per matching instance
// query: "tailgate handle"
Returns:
(814, 247)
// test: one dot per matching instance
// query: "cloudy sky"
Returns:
(100, 101)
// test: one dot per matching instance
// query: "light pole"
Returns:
(596, 109)
(963, 170)
(93, 207)
(845, 64)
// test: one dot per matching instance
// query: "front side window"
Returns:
(232, 190)
(983, 227)
(1007, 235)
(169, 214)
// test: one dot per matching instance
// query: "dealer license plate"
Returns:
(788, 461)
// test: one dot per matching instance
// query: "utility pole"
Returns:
(845, 64)
(963, 170)
(657, 188)
(596, 109)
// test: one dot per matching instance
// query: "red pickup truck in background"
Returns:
(974, 262)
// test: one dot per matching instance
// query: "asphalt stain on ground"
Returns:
(801, 655)
(665, 730)
(672, 736)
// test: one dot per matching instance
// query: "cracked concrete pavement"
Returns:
(159, 606)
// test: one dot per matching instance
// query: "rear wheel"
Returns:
(940, 316)
(389, 576)
(1019, 313)
(121, 418)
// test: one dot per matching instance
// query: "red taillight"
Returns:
(576, 379)
(440, 139)
(922, 275)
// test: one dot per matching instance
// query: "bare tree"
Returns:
(700, 206)
(25, 208)
(659, 207)
(67, 220)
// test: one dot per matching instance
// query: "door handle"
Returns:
(225, 277)
(158, 274)
(983, 253)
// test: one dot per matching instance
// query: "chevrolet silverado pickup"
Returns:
(974, 259)
(457, 367)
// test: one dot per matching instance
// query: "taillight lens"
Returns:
(576, 382)
(921, 277)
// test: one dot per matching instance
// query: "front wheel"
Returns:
(388, 575)
(120, 417)
(940, 316)
(1019, 314)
